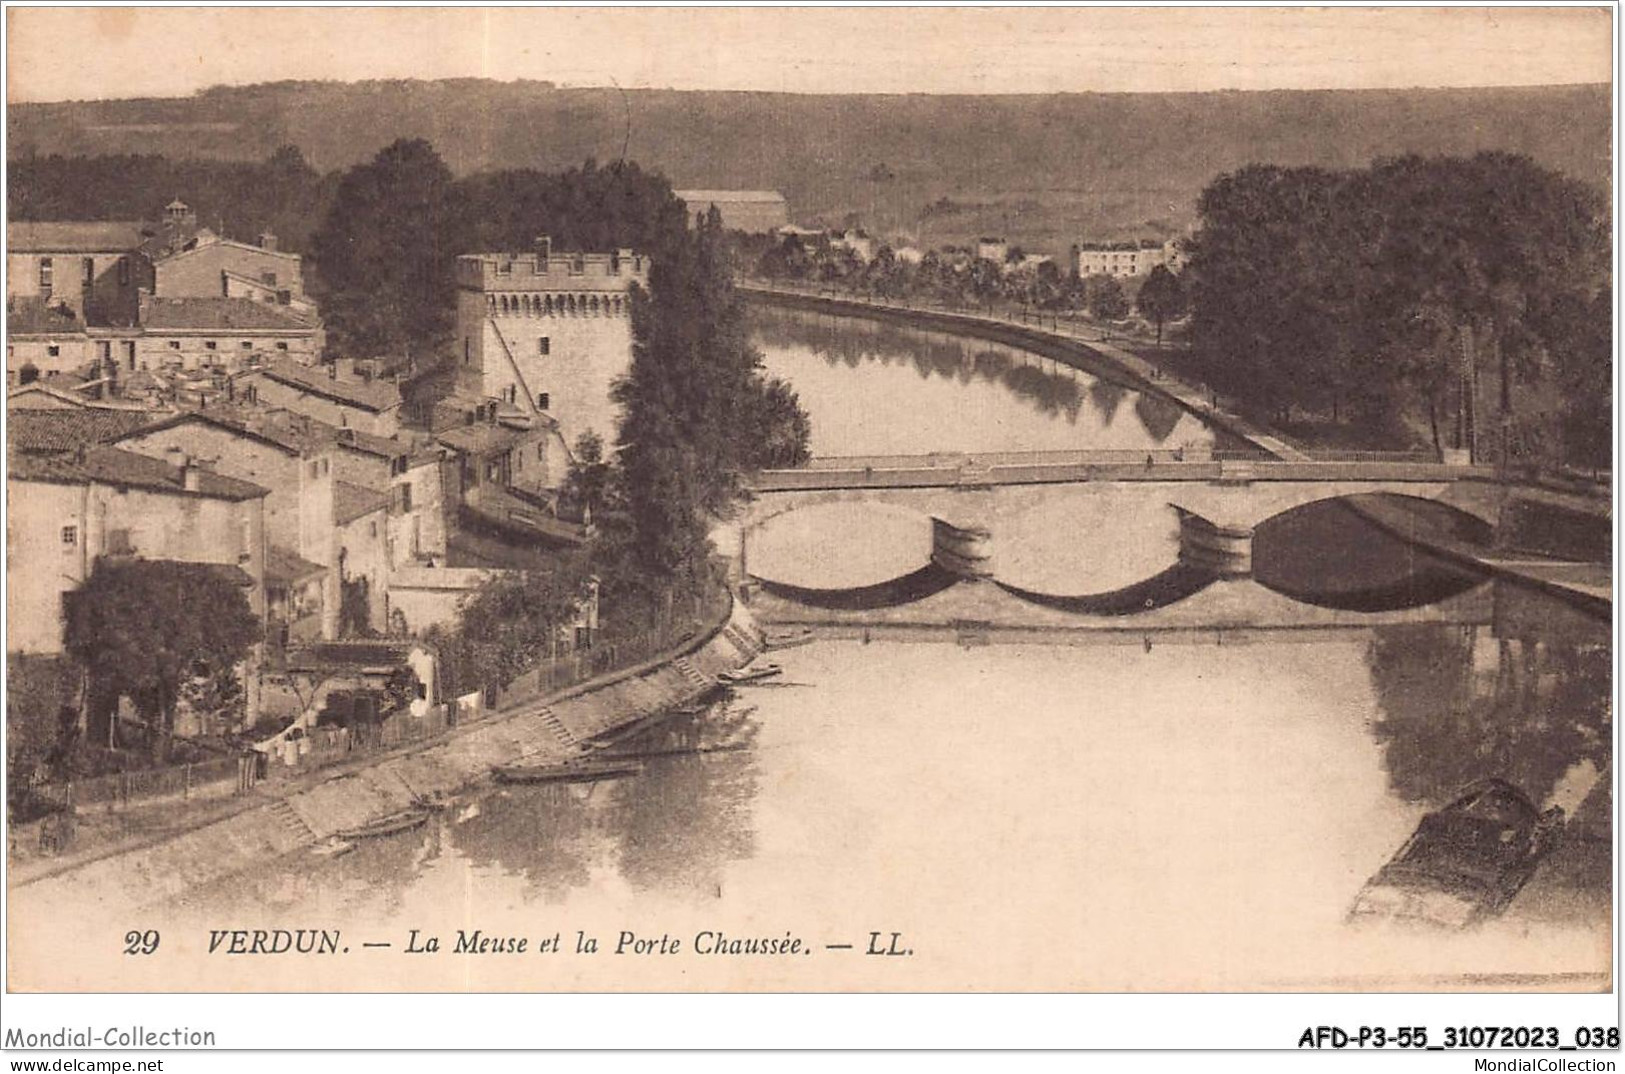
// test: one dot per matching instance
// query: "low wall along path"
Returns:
(544, 730)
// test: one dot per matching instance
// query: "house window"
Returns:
(104, 349)
(124, 272)
(541, 452)
(466, 346)
(174, 344)
(504, 268)
(268, 278)
(70, 536)
(248, 345)
(315, 468)
(544, 345)
(281, 346)
(542, 400)
(53, 350)
(90, 271)
(372, 528)
(493, 472)
(210, 345)
(45, 275)
(406, 498)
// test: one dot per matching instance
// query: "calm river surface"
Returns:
(1091, 816)
(874, 388)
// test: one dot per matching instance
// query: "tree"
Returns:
(1104, 297)
(695, 394)
(1393, 290)
(143, 628)
(1161, 298)
(387, 251)
(587, 482)
(512, 623)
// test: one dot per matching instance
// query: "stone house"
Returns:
(361, 559)
(221, 333)
(68, 509)
(94, 268)
(276, 452)
(413, 475)
(344, 393)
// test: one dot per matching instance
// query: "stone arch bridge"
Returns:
(1219, 501)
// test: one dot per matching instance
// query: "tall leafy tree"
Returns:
(387, 251)
(143, 629)
(1105, 298)
(1161, 298)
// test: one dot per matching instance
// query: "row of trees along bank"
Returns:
(1461, 300)
(955, 277)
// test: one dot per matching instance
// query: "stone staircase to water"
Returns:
(563, 734)
(691, 674)
(747, 645)
(292, 823)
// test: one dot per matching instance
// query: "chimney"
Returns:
(544, 251)
(268, 240)
(190, 475)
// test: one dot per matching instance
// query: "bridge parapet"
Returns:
(1036, 468)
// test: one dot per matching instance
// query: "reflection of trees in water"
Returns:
(1524, 710)
(852, 342)
(1107, 397)
(1159, 415)
(689, 818)
(541, 832)
(672, 828)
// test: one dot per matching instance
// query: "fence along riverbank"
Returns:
(350, 795)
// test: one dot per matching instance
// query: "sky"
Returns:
(85, 53)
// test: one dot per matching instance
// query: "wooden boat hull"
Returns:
(387, 826)
(566, 773)
(750, 675)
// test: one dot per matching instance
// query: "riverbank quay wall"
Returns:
(281, 824)
(1067, 351)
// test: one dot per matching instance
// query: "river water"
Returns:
(1086, 816)
(875, 388)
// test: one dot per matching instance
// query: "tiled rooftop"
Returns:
(376, 395)
(286, 567)
(352, 501)
(115, 466)
(70, 429)
(217, 315)
(75, 236)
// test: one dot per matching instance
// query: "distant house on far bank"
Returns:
(756, 211)
(1134, 258)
